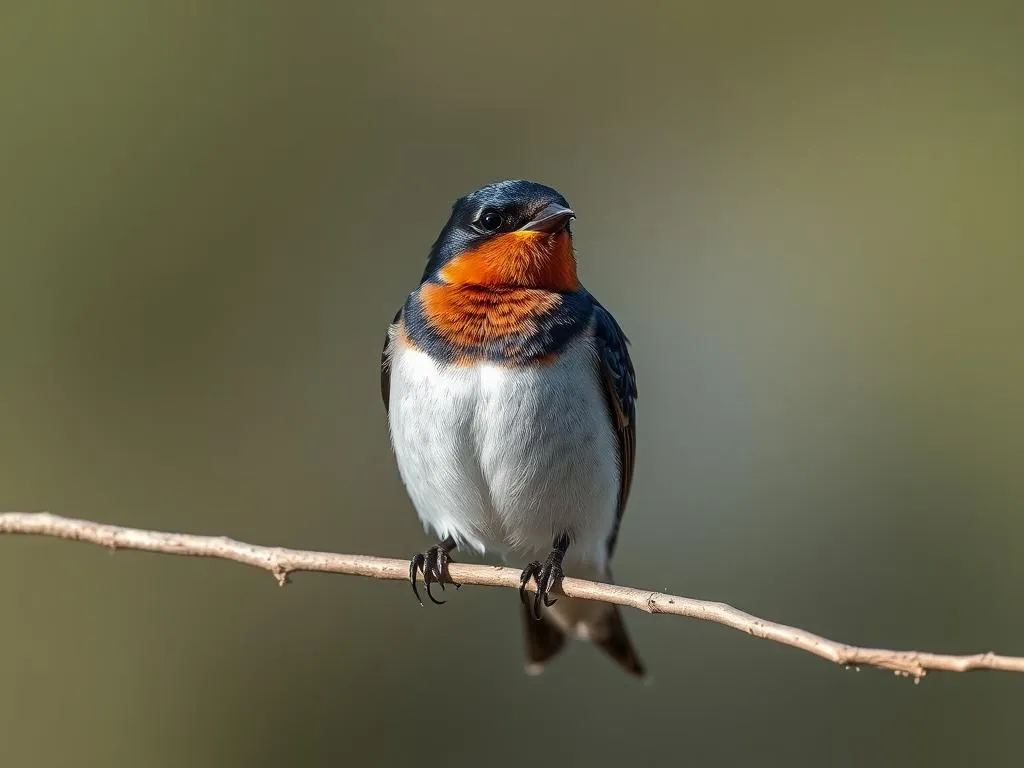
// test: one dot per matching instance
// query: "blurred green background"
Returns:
(807, 218)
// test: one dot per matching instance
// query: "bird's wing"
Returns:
(385, 361)
(616, 372)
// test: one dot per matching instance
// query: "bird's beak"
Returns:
(551, 218)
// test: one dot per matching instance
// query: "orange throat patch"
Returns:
(499, 291)
(520, 259)
(472, 315)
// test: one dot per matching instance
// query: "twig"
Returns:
(281, 562)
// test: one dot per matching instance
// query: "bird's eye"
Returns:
(490, 221)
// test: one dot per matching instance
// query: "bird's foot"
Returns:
(547, 576)
(433, 564)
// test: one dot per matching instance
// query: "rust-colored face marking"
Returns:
(495, 293)
(520, 259)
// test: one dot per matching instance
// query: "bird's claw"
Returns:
(433, 564)
(529, 572)
(547, 577)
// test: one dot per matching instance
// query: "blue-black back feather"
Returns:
(619, 379)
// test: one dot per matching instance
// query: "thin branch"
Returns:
(281, 562)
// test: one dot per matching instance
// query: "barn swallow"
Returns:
(510, 397)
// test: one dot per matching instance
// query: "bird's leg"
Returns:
(547, 575)
(433, 564)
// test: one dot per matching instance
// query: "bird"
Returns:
(511, 405)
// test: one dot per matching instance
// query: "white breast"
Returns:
(504, 459)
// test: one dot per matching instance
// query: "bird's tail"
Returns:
(600, 623)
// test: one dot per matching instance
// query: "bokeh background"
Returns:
(806, 216)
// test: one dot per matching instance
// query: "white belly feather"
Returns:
(503, 459)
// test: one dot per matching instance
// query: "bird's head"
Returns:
(510, 234)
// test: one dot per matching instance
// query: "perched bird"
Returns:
(510, 397)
